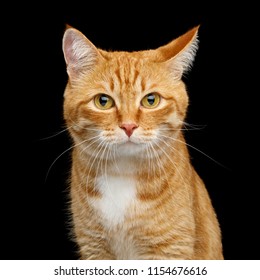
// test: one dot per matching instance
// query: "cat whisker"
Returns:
(103, 161)
(185, 127)
(151, 168)
(66, 130)
(154, 163)
(91, 129)
(194, 126)
(97, 137)
(67, 150)
(150, 165)
(90, 156)
(179, 129)
(158, 161)
(88, 127)
(106, 154)
(183, 160)
(94, 158)
(105, 170)
(114, 145)
(198, 150)
(174, 164)
(171, 148)
(54, 135)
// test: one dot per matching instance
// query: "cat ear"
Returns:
(180, 53)
(79, 53)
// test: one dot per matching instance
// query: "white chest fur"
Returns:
(118, 193)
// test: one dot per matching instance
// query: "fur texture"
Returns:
(134, 192)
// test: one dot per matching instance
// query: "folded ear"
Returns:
(179, 54)
(79, 53)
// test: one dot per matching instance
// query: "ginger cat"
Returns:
(134, 192)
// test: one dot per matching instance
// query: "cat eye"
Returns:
(151, 100)
(103, 101)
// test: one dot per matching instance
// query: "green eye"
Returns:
(151, 100)
(103, 101)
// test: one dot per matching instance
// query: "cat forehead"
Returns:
(124, 57)
(128, 69)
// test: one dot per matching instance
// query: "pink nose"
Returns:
(129, 128)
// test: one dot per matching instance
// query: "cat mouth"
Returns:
(132, 145)
(133, 141)
(129, 148)
(129, 143)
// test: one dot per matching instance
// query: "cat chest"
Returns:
(118, 194)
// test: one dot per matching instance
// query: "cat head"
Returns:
(128, 100)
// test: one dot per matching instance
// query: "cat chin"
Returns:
(130, 148)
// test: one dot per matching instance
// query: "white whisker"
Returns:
(83, 127)
(114, 145)
(174, 164)
(54, 135)
(67, 150)
(158, 161)
(99, 149)
(194, 126)
(97, 137)
(196, 149)
(149, 152)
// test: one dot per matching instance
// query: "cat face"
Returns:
(131, 101)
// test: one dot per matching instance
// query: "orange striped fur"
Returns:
(134, 192)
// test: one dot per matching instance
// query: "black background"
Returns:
(223, 99)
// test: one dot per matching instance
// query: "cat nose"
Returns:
(129, 128)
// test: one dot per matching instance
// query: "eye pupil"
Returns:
(151, 99)
(103, 99)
